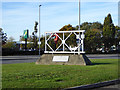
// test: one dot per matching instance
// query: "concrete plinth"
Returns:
(47, 59)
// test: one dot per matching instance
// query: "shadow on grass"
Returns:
(100, 63)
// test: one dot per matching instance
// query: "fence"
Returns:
(79, 40)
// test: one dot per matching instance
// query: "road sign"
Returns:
(25, 34)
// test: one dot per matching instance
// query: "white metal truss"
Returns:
(79, 36)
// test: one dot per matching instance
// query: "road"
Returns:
(33, 58)
(103, 56)
(19, 59)
(111, 87)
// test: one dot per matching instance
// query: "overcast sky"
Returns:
(18, 16)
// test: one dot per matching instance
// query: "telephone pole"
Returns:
(39, 29)
(79, 29)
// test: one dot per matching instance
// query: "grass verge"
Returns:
(29, 75)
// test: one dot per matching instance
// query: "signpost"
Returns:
(25, 37)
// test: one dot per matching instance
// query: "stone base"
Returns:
(46, 59)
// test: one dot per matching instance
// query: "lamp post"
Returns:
(39, 29)
(79, 29)
(79, 14)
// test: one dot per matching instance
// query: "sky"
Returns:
(19, 16)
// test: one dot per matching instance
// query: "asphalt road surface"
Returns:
(103, 56)
(33, 58)
(19, 59)
(111, 87)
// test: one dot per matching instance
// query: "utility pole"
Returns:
(79, 29)
(39, 29)
(79, 14)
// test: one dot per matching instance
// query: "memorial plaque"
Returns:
(60, 58)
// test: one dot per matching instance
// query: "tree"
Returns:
(108, 32)
(10, 43)
(35, 27)
(92, 40)
(30, 45)
(30, 39)
(42, 39)
(85, 26)
(93, 32)
(71, 41)
(88, 26)
(117, 35)
(67, 28)
(96, 25)
(3, 36)
(35, 40)
(34, 35)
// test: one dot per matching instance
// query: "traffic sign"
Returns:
(25, 34)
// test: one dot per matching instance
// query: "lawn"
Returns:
(29, 75)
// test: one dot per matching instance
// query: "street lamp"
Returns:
(79, 29)
(79, 14)
(39, 29)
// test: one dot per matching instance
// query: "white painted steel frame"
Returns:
(80, 37)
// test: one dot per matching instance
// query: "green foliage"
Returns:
(117, 28)
(92, 40)
(0, 29)
(35, 27)
(30, 45)
(67, 28)
(108, 32)
(92, 36)
(29, 39)
(42, 39)
(71, 41)
(34, 35)
(29, 75)
(3, 36)
(10, 43)
(35, 44)
(86, 26)
(117, 35)
(97, 25)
